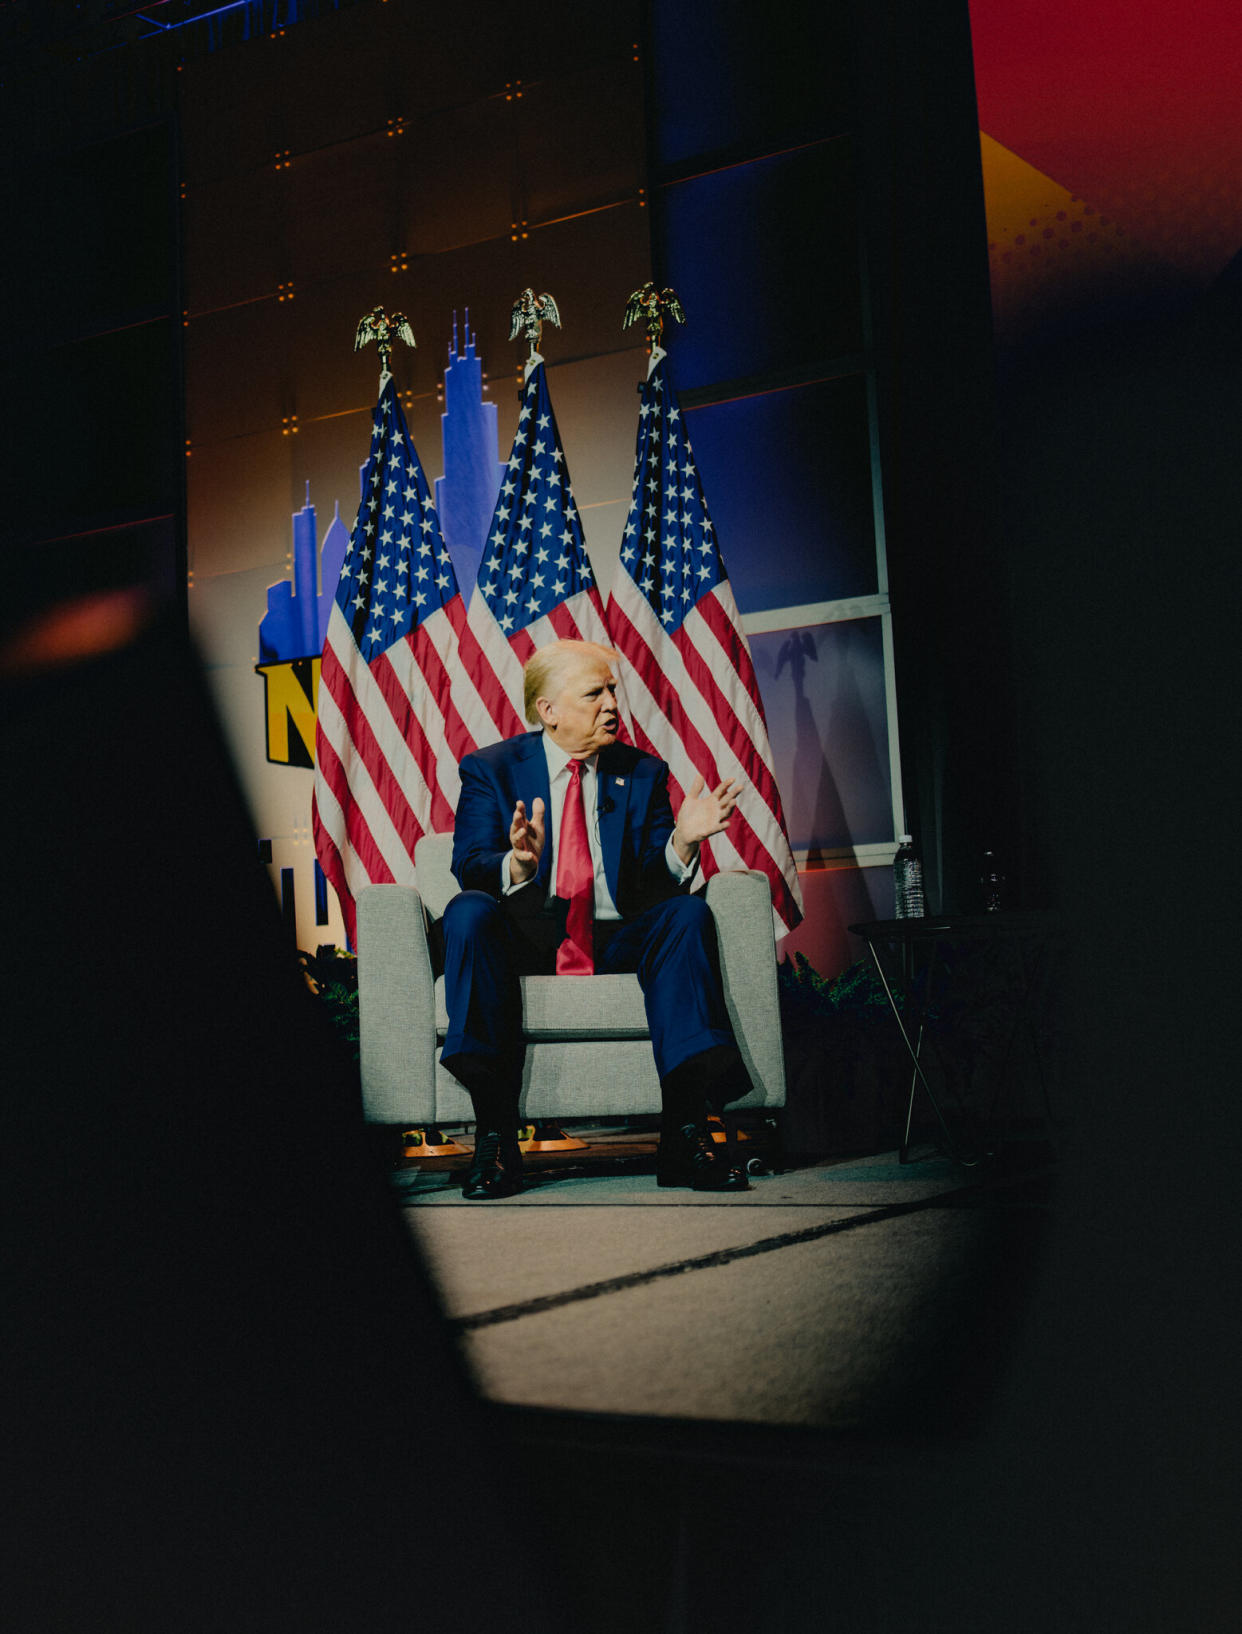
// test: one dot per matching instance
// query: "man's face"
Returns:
(583, 716)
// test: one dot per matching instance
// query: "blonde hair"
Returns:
(546, 670)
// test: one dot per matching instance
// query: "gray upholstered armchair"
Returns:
(587, 1051)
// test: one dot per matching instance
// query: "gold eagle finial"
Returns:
(653, 305)
(530, 313)
(385, 331)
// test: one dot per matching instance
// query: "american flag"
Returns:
(395, 710)
(535, 582)
(691, 687)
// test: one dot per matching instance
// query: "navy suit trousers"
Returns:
(671, 947)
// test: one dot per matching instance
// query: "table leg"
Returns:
(919, 1075)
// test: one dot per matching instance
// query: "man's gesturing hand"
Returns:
(702, 815)
(526, 841)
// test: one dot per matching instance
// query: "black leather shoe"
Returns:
(690, 1157)
(495, 1169)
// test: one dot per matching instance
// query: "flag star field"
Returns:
(397, 569)
(668, 547)
(535, 556)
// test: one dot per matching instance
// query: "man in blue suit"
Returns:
(569, 858)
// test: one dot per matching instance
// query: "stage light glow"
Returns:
(86, 627)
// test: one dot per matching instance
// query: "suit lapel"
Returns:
(613, 798)
(530, 778)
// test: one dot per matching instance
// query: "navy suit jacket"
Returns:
(635, 821)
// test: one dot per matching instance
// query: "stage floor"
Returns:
(851, 1295)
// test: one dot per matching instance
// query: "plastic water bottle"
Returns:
(907, 882)
(992, 882)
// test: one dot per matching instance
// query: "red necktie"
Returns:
(575, 883)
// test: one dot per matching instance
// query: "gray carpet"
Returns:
(841, 1295)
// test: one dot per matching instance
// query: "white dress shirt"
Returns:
(558, 784)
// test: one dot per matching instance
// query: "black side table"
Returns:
(911, 956)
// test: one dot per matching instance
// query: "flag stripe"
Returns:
(477, 649)
(718, 611)
(522, 644)
(429, 661)
(369, 779)
(396, 709)
(331, 861)
(725, 625)
(477, 682)
(728, 715)
(562, 621)
(685, 750)
(695, 698)
(667, 701)
(359, 850)
(744, 844)
(380, 739)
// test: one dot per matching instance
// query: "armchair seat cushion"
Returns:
(588, 1051)
(572, 1007)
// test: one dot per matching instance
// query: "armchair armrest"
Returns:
(396, 1007)
(741, 905)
